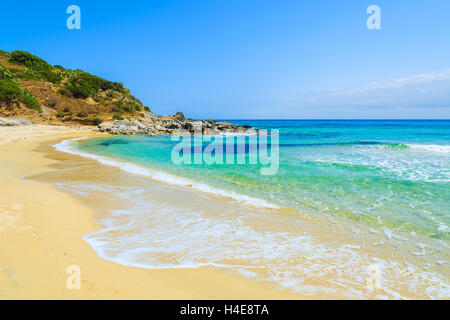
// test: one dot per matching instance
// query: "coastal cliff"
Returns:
(33, 89)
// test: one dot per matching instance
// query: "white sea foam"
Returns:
(155, 235)
(431, 148)
(234, 134)
(68, 147)
(430, 164)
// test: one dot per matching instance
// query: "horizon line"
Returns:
(336, 119)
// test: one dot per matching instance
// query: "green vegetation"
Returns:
(117, 117)
(97, 121)
(7, 74)
(9, 91)
(5, 54)
(30, 74)
(30, 101)
(37, 68)
(111, 94)
(128, 105)
(83, 85)
(75, 84)
(50, 76)
(29, 60)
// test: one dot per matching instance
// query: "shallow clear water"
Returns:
(350, 197)
(389, 173)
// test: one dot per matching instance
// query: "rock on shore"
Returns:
(12, 122)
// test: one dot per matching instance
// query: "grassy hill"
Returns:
(43, 93)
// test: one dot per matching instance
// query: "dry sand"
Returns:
(41, 231)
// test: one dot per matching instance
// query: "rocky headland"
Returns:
(33, 91)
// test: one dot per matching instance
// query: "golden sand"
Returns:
(41, 231)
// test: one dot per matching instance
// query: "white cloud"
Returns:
(431, 89)
(417, 96)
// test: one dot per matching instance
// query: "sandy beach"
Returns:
(41, 230)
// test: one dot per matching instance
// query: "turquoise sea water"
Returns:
(393, 174)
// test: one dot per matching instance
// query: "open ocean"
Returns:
(352, 200)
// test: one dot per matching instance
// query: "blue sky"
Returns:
(252, 58)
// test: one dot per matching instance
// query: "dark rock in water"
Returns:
(112, 142)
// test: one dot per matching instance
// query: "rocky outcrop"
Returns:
(155, 125)
(152, 124)
(12, 122)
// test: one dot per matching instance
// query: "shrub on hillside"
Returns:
(37, 68)
(180, 115)
(83, 85)
(9, 91)
(5, 54)
(117, 117)
(97, 121)
(111, 94)
(27, 59)
(96, 97)
(79, 89)
(50, 76)
(65, 92)
(126, 105)
(30, 101)
(30, 74)
(7, 74)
